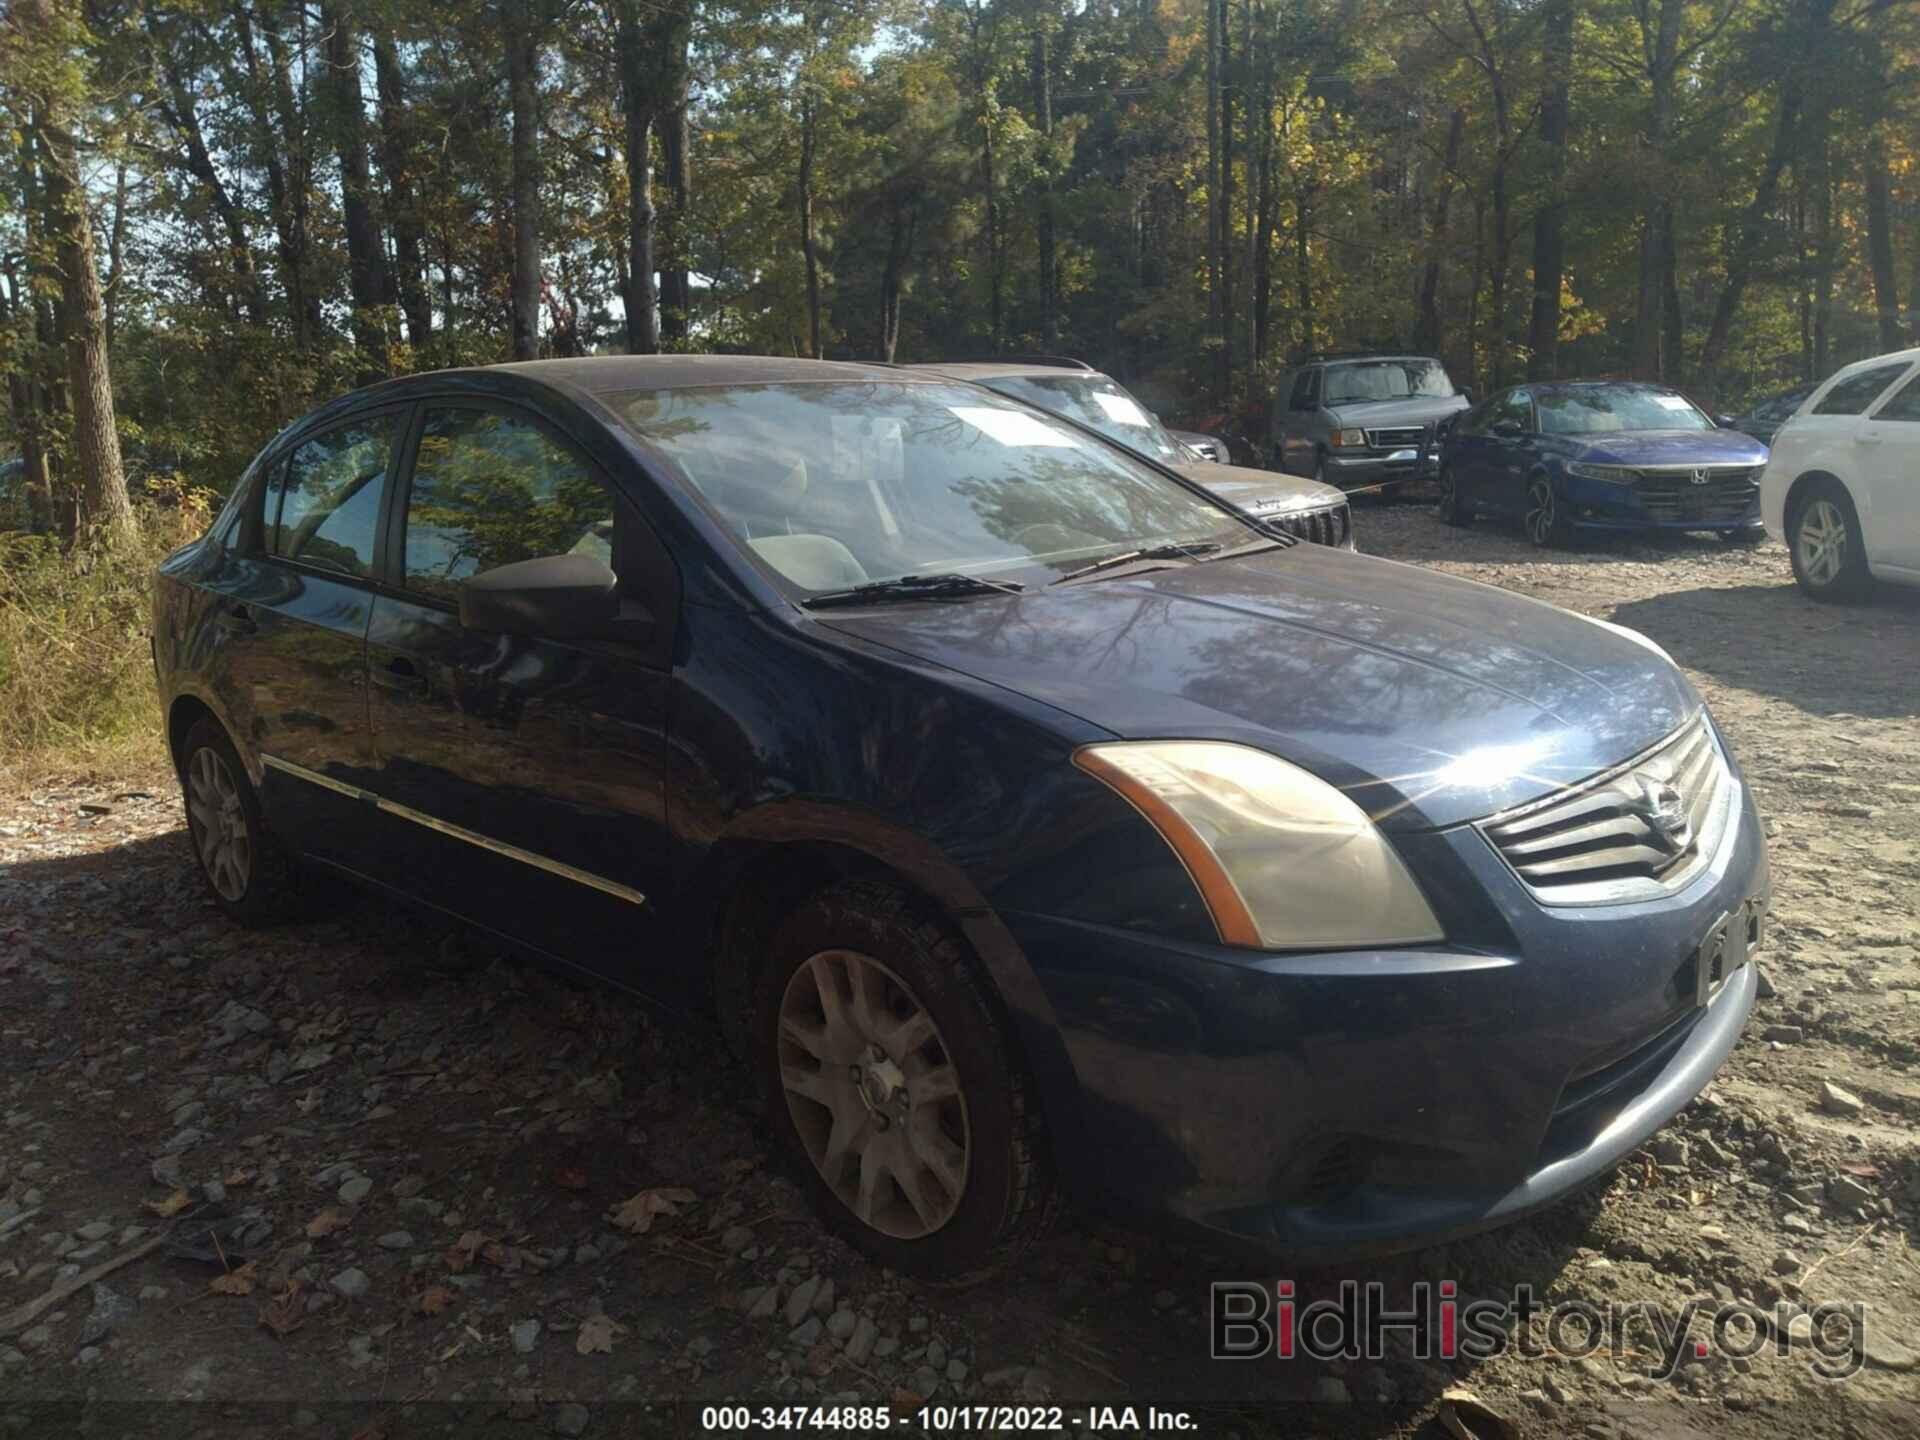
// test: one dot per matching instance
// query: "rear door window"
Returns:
(323, 505)
(1905, 404)
(1306, 390)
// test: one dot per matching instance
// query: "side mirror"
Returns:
(1466, 394)
(556, 597)
(1727, 422)
(1508, 429)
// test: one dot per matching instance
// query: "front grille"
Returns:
(1317, 527)
(1635, 833)
(1725, 494)
(1396, 437)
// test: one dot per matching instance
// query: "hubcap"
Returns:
(1539, 512)
(1822, 542)
(873, 1093)
(219, 824)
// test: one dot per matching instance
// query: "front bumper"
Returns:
(1597, 505)
(1357, 471)
(1353, 1103)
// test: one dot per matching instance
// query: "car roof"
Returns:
(1892, 357)
(977, 370)
(1542, 386)
(603, 374)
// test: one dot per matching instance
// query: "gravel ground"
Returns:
(382, 1181)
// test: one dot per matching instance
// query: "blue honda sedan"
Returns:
(1027, 819)
(1600, 455)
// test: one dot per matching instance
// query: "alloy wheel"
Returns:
(1822, 542)
(873, 1093)
(1540, 512)
(219, 824)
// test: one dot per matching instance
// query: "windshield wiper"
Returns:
(1172, 550)
(942, 585)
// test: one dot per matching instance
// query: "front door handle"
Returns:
(402, 676)
(1866, 437)
(236, 621)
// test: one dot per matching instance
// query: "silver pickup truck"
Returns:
(1363, 421)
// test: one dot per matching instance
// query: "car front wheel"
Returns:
(1546, 521)
(890, 1075)
(1823, 539)
(1453, 510)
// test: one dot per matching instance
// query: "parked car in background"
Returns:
(1076, 391)
(1207, 447)
(1362, 420)
(1022, 815)
(1842, 486)
(1572, 457)
(1764, 417)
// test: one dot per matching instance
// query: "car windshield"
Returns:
(1099, 404)
(1598, 409)
(1386, 380)
(835, 485)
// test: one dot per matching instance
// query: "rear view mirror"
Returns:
(557, 597)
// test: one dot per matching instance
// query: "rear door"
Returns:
(1297, 422)
(1504, 453)
(521, 778)
(1889, 443)
(293, 627)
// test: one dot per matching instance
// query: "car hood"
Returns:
(1668, 447)
(1408, 410)
(1264, 493)
(1430, 700)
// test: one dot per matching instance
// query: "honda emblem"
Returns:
(1700, 477)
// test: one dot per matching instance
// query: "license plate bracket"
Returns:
(1728, 946)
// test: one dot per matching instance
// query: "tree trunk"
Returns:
(105, 513)
(671, 34)
(1215, 317)
(117, 252)
(1549, 222)
(182, 115)
(1043, 104)
(398, 153)
(808, 249)
(995, 274)
(1223, 356)
(366, 258)
(523, 57)
(1748, 236)
(289, 179)
(1656, 229)
(900, 230)
(1262, 254)
(1429, 331)
(1303, 262)
(1673, 350)
(643, 311)
(1886, 291)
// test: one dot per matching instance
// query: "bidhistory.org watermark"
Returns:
(1252, 1320)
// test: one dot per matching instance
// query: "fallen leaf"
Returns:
(460, 1253)
(327, 1221)
(505, 1257)
(172, 1205)
(372, 1432)
(236, 1282)
(636, 1215)
(597, 1334)
(434, 1299)
(237, 1179)
(286, 1312)
(821, 1358)
(570, 1177)
(905, 1399)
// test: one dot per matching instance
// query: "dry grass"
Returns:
(76, 676)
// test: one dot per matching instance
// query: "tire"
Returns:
(961, 1182)
(1451, 509)
(246, 869)
(1545, 517)
(1824, 543)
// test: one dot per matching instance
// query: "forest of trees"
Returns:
(214, 213)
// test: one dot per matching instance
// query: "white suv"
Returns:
(1842, 486)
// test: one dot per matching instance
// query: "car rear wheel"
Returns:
(1546, 520)
(891, 1077)
(1453, 510)
(1823, 539)
(248, 872)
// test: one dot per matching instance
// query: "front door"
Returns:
(522, 779)
(293, 628)
(1889, 447)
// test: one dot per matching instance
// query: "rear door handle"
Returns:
(402, 676)
(236, 621)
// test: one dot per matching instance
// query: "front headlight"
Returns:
(1612, 474)
(1349, 439)
(1283, 859)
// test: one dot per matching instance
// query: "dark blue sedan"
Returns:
(1600, 455)
(1027, 819)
